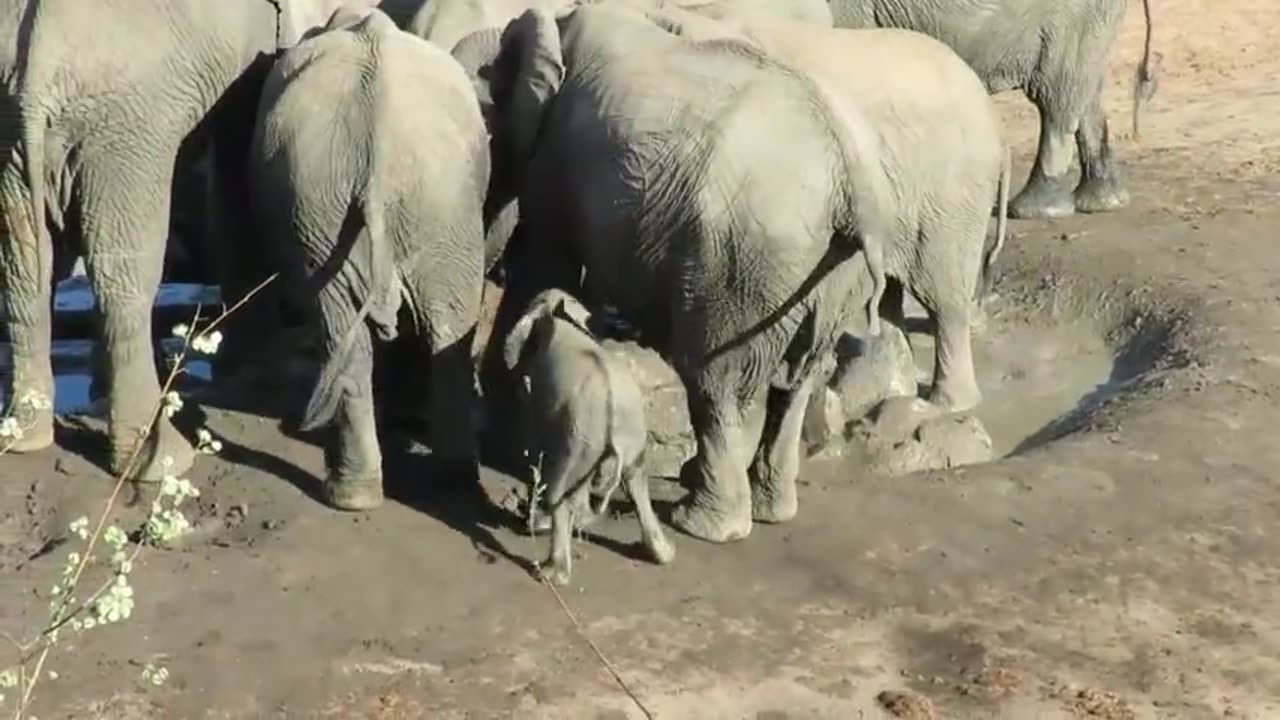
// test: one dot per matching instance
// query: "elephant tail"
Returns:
(1144, 84)
(1002, 225)
(380, 294)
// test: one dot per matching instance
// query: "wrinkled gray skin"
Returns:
(1056, 53)
(730, 255)
(370, 163)
(445, 22)
(943, 150)
(90, 132)
(584, 423)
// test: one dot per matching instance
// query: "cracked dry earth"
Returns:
(1123, 565)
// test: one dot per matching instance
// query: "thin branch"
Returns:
(61, 616)
(603, 660)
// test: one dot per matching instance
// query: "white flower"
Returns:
(207, 343)
(80, 527)
(181, 330)
(10, 429)
(154, 675)
(115, 537)
(171, 404)
(117, 603)
(169, 486)
(206, 443)
(53, 675)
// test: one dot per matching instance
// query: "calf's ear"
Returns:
(570, 309)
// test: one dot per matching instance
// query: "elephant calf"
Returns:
(584, 421)
(369, 166)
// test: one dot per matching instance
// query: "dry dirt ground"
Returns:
(1122, 563)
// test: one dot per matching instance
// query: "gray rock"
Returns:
(908, 435)
(897, 418)
(671, 439)
(824, 424)
(960, 439)
(872, 369)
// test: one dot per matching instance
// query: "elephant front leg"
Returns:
(125, 220)
(718, 509)
(1102, 186)
(777, 462)
(1048, 190)
(27, 257)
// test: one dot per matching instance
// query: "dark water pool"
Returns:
(73, 344)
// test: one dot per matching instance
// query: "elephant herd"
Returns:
(740, 180)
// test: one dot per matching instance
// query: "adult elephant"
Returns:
(445, 22)
(378, 203)
(944, 153)
(98, 97)
(718, 199)
(1055, 52)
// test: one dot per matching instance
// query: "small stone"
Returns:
(872, 369)
(958, 439)
(824, 422)
(897, 418)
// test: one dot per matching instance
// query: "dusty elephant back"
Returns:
(941, 132)
(385, 102)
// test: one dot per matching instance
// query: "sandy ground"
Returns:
(1120, 564)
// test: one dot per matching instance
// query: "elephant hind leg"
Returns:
(27, 258)
(718, 509)
(955, 383)
(1102, 186)
(353, 458)
(446, 301)
(1047, 193)
(777, 462)
(125, 221)
(654, 539)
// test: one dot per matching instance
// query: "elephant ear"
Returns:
(347, 15)
(513, 347)
(534, 38)
(569, 309)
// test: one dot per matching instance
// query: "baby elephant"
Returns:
(583, 423)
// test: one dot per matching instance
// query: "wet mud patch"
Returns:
(1046, 377)
(1050, 358)
(1056, 354)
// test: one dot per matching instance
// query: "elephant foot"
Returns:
(37, 433)
(166, 453)
(581, 521)
(955, 397)
(711, 519)
(771, 503)
(353, 494)
(1043, 198)
(1102, 194)
(661, 550)
(556, 573)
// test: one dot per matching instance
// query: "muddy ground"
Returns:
(1120, 563)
